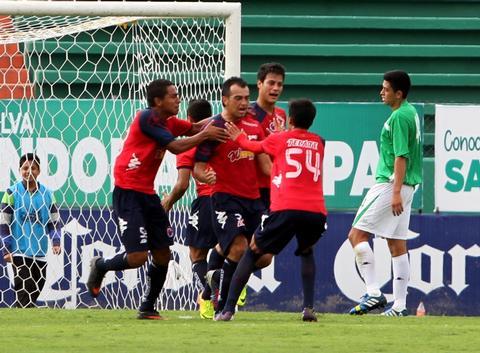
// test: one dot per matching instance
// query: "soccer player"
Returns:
(270, 77)
(28, 217)
(236, 199)
(298, 206)
(385, 210)
(200, 235)
(142, 221)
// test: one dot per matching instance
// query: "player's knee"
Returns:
(264, 261)
(197, 254)
(161, 256)
(137, 259)
(357, 236)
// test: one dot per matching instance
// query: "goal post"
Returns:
(72, 75)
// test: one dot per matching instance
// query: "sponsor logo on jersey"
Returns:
(238, 154)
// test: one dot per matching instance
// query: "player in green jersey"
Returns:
(385, 211)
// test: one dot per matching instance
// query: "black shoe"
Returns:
(95, 278)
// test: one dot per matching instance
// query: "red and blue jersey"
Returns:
(142, 153)
(235, 167)
(187, 160)
(269, 123)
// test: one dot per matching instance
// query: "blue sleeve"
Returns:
(152, 129)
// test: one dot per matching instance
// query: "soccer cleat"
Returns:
(393, 312)
(214, 280)
(368, 304)
(206, 309)
(308, 314)
(95, 278)
(227, 316)
(242, 299)
(149, 315)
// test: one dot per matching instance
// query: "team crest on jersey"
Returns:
(277, 124)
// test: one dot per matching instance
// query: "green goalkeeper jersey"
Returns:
(400, 137)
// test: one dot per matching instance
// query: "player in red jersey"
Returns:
(298, 205)
(142, 221)
(270, 77)
(200, 236)
(236, 199)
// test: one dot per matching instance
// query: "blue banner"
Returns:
(443, 249)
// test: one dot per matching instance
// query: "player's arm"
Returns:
(400, 147)
(399, 170)
(53, 227)
(178, 190)
(239, 136)
(6, 216)
(204, 174)
(165, 138)
(265, 163)
(199, 126)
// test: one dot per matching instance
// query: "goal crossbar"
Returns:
(230, 11)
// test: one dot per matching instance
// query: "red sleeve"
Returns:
(185, 159)
(253, 146)
(271, 144)
(177, 126)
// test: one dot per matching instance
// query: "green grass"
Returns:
(105, 331)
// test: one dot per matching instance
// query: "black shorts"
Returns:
(280, 227)
(265, 196)
(142, 221)
(200, 233)
(234, 215)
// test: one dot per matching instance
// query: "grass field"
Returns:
(106, 331)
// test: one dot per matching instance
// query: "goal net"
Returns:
(72, 76)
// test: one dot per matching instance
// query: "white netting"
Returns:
(69, 89)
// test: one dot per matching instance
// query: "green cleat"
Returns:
(206, 309)
(242, 299)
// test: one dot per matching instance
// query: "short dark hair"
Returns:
(157, 88)
(270, 68)
(29, 157)
(399, 80)
(302, 111)
(230, 82)
(199, 109)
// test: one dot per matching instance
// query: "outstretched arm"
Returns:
(209, 133)
(183, 180)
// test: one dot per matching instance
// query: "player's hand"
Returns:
(166, 204)
(397, 206)
(279, 124)
(210, 177)
(216, 133)
(233, 130)
(57, 249)
(8, 257)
